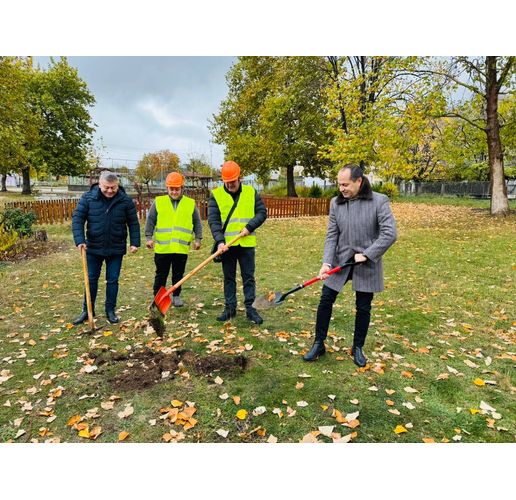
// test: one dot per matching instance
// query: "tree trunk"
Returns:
(4, 183)
(291, 185)
(26, 180)
(498, 188)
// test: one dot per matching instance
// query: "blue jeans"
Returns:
(113, 267)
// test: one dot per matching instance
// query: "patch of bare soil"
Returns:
(147, 367)
(32, 249)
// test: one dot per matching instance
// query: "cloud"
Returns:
(162, 113)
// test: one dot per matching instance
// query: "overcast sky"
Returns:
(144, 104)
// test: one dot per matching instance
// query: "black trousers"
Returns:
(165, 261)
(362, 317)
(245, 256)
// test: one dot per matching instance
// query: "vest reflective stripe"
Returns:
(172, 225)
(243, 213)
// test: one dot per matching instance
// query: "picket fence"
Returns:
(61, 210)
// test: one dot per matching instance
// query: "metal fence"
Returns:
(469, 189)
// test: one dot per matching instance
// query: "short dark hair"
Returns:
(355, 171)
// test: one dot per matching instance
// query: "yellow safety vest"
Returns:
(174, 228)
(243, 213)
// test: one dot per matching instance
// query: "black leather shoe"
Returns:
(252, 314)
(227, 314)
(81, 318)
(112, 317)
(358, 356)
(316, 351)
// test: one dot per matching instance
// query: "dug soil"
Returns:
(32, 249)
(147, 367)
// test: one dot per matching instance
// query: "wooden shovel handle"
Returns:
(87, 288)
(200, 266)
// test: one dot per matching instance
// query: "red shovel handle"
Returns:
(317, 278)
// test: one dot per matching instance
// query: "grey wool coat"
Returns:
(359, 225)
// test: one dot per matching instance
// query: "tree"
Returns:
(274, 116)
(198, 165)
(488, 78)
(154, 166)
(48, 123)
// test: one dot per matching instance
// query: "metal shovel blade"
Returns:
(162, 300)
(272, 299)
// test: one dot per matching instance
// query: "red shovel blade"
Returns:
(163, 300)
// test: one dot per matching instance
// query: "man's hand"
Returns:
(80, 246)
(150, 244)
(133, 249)
(360, 257)
(245, 232)
(324, 270)
(197, 244)
(223, 246)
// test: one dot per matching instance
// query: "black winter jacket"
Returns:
(106, 222)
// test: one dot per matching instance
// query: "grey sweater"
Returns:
(152, 218)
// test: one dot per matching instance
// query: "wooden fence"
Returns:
(59, 211)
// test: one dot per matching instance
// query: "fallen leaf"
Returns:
(326, 430)
(408, 405)
(428, 440)
(474, 411)
(469, 363)
(218, 380)
(390, 392)
(300, 385)
(128, 411)
(224, 396)
(259, 410)
(411, 390)
(344, 439)
(372, 388)
(389, 402)
(407, 374)
(123, 435)
(354, 401)
(394, 411)
(443, 376)
(241, 414)
(399, 429)
(479, 382)
(236, 400)
(486, 407)
(176, 403)
(107, 405)
(309, 438)
(272, 439)
(223, 433)
(304, 375)
(73, 420)
(302, 404)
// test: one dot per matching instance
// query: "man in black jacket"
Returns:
(248, 214)
(107, 212)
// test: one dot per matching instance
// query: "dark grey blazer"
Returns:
(359, 226)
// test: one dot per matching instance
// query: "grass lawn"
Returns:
(440, 348)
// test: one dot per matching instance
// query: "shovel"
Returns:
(91, 323)
(274, 299)
(162, 300)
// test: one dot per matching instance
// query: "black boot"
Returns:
(317, 350)
(112, 317)
(358, 356)
(227, 314)
(252, 314)
(81, 318)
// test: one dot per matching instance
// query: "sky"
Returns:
(145, 104)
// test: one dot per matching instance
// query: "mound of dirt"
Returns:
(32, 249)
(145, 368)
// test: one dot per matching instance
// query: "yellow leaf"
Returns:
(236, 400)
(95, 432)
(479, 382)
(123, 435)
(324, 407)
(428, 440)
(176, 403)
(399, 429)
(85, 433)
(389, 402)
(407, 374)
(241, 414)
(74, 420)
(474, 411)
(107, 333)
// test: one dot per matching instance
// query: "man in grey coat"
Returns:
(361, 227)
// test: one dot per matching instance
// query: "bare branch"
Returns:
(458, 115)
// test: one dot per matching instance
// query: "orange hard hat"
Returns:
(230, 171)
(175, 180)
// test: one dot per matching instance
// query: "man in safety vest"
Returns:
(173, 219)
(249, 214)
